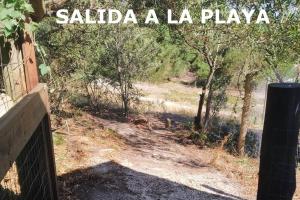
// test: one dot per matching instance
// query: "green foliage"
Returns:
(199, 138)
(12, 17)
(58, 139)
(171, 62)
(87, 56)
(81, 54)
(128, 52)
(277, 42)
(44, 69)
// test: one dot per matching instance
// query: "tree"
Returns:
(267, 48)
(127, 57)
(251, 70)
(209, 41)
(246, 63)
(280, 45)
(217, 97)
(72, 61)
(93, 56)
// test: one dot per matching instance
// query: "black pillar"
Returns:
(277, 174)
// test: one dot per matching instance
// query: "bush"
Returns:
(199, 138)
(231, 128)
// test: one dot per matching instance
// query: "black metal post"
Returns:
(277, 175)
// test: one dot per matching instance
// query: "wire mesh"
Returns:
(12, 76)
(28, 178)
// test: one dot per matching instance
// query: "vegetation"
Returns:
(130, 91)
(12, 17)
(105, 62)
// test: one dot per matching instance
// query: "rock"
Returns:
(141, 121)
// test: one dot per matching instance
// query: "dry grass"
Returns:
(73, 139)
(10, 183)
(243, 169)
(182, 96)
(73, 149)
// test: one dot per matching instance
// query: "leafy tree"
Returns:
(126, 58)
(208, 41)
(252, 69)
(65, 49)
(114, 55)
(280, 38)
(267, 50)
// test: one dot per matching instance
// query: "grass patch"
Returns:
(58, 139)
(232, 100)
(177, 96)
(244, 161)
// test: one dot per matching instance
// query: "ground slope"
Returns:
(111, 160)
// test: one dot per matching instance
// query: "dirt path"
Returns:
(141, 164)
(175, 97)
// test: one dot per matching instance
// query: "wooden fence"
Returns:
(26, 148)
(27, 164)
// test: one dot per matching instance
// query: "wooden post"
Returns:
(30, 64)
(277, 175)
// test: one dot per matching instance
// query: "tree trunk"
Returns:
(126, 110)
(208, 107)
(198, 118)
(298, 74)
(277, 74)
(248, 89)
(198, 123)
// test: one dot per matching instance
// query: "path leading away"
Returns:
(140, 164)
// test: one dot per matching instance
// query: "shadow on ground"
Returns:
(180, 118)
(111, 181)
